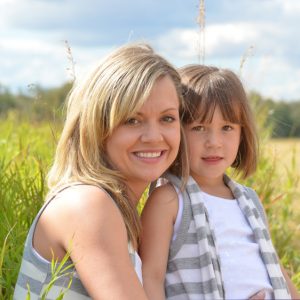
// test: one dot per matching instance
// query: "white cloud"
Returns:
(274, 77)
(291, 6)
(85, 59)
(235, 34)
(32, 34)
(268, 68)
(221, 40)
(43, 62)
(178, 44)
(28, 46)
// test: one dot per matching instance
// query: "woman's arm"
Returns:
(158, 219)
(86, 218)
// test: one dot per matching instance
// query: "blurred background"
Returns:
(45, 45)
(33, 35)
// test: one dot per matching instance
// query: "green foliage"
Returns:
(25, 154)
(26, 151)
(36, 105)
(278, 189)
(64, 269)
(295, 113)
(7, 101)
(39, 104)
(282, 120)
(283, 117)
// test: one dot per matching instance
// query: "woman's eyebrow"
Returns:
(162, 112)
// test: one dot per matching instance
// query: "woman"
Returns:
(122, 131)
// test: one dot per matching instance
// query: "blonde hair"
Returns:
(113, 91)
(206, 87)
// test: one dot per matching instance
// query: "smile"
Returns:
(148, 154)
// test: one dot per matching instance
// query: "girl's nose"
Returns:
(151, 133)
(213, 139)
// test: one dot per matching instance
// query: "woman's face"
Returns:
(145, 145)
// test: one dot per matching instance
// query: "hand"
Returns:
(259, 296)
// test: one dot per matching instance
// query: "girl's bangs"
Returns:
(230, 109)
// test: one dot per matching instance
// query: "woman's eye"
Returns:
(132, 121)
(168, 119)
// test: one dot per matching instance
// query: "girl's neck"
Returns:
(214, 186)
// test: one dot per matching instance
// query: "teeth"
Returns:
(148, 154)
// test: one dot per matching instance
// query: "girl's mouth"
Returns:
(212, 159)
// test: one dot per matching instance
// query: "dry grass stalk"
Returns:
(34, 91)
(71, 69)
(246, 55)
(201, 23)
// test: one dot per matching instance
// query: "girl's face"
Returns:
(212, 147)
(147, 143)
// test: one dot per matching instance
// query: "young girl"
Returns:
(122, 131)
(209, 240)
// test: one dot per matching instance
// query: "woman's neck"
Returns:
(135, 191)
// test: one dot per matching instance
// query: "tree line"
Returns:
(41, 104)
(282, 116)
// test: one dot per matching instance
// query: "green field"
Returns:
(26, 151)
(285, 150)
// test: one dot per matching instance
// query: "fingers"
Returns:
(259, 296)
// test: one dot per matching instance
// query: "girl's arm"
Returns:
(86, 220)
(158, 219)
(294, 293)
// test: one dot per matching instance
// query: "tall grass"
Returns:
(25, 154)
(26, 151)
(278, 191)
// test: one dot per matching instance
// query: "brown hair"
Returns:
(206, 87)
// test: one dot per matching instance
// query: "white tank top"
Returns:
(243, 270)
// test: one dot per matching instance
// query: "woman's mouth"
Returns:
(149, 154)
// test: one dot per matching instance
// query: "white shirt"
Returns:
(243, 271)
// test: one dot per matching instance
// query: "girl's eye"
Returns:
(132, 121)
(227, 128)
(198, 128)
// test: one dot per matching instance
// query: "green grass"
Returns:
(287, 154)
(26, 151)
(25, 154)
(277, 183)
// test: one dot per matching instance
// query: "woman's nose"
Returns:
(151, 133)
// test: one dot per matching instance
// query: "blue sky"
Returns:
(33, 35)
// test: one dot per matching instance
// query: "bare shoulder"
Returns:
(77, 214)
(87, 197)
(82, 202)
(163, 201)
(164, 194)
